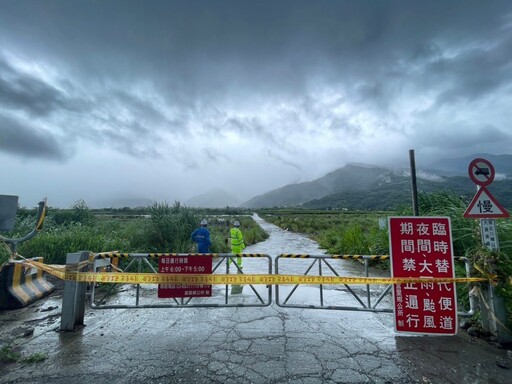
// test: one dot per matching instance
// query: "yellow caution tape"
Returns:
(255, 279)
(55, 270)
(306, 256)
(490, 277)
(157, 255)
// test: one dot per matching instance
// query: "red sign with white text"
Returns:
(422, 247)
(184, 264)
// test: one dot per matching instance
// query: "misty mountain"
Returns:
(459, 166)
(215, 198)
(122, 202)
(399, 193)
(351, 177)
(358, 186)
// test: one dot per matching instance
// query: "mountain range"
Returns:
(216, 198)
(459, 166)
(360, 186)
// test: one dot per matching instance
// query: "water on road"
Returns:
(240, 345)
(285, 242)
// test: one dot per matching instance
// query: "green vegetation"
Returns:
(10, 354)
(158, 228)
(166, 228)
(346, 232)
(338, 232)
(35, 357)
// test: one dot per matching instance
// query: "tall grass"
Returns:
(55, 243)
(337, 233)
(170, 227)
(362, 235)
(162, 228)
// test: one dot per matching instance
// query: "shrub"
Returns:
(169, 228)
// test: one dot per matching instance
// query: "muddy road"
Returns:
(268, 344)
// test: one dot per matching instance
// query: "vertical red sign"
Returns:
(184, 264)
(422, 247)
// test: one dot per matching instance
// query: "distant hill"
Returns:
(395, 191)
(459, 166)
(132, 202)
(351, 177)
(358, 186)
(216, 198)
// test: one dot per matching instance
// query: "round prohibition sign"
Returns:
(481, 171)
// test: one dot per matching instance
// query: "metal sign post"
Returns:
(485, 207)
(8, 208)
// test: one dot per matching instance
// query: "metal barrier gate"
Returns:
(364, 297)
(78, 278)
(108, 296)
(331, 297)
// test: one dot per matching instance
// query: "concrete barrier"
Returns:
(21, 286)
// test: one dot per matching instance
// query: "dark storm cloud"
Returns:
(203, 47)
(476, 73)
(139, 108)
(28, 141)
(251, 128)
(204, 59)
(24, 92)
(461, 137)
(282, 160)
(127, 138)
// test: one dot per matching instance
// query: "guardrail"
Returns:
(367, 298)
(109, 296)
(78, 276)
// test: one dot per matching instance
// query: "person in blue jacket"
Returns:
(201, 236)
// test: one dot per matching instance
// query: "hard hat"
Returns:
(236, 224)
(204, 222)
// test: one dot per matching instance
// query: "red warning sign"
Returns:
(422, 247)
(485, 206)
(184, 264)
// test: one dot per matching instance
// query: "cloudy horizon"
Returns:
(168, 99)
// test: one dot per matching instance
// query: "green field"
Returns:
(158, 228)
(167, 228)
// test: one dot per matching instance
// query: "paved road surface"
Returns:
(240, 345)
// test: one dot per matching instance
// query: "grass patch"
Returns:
(9, 354)
(160, 228)
(35, 358)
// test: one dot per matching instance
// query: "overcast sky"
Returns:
(169, 99)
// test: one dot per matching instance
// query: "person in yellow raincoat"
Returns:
(237, 242)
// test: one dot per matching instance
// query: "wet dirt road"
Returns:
(241, 345)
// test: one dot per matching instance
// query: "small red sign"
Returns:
(485, 206)
(184, 264)
(481, 171)
(422, 247)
